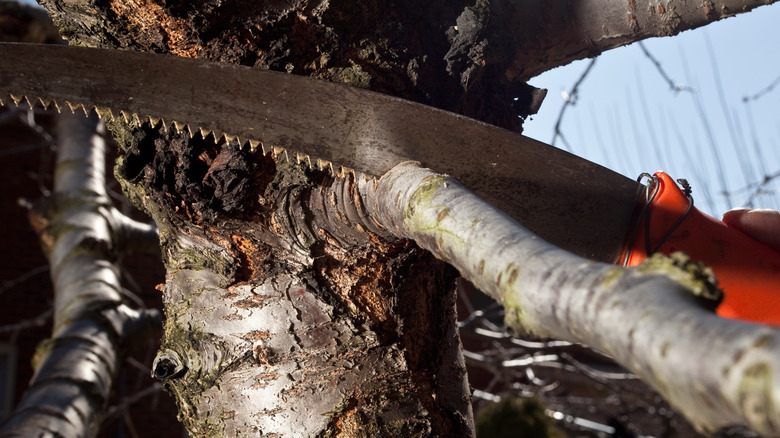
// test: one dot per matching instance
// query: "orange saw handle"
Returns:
(748, 272)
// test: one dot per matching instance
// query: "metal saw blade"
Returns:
(570, 202)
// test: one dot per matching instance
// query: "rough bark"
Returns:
(656, 319)
(287, 311)
(92, 327)
(554, 33)
(285, 314)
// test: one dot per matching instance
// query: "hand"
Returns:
(762, 225)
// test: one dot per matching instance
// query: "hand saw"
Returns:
(566, 200)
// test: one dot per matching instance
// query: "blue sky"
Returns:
(627, 118)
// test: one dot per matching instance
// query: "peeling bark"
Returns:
(289, 309)
(287, 312)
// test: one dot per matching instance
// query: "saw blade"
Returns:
(570, 202)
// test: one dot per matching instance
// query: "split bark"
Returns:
(286, 316)
(718, 372)
(278, 285)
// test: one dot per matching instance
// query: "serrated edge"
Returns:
(254, 146)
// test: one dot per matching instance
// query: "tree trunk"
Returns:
(286, 311)
(283, 317)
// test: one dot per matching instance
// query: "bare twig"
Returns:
(37, 321)
(10, 284)
(756, 189)
(676, 88)
(714, 149)
(736, 140)
(570, 98)
(768, 89)
(118, 409)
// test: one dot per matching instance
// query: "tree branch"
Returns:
(75, 368)
(718, 372)
(552, 34)
(134, 235)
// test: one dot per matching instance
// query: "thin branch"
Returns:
(38, 321)
(134, 235)
(128, 401)
(763, 92)
(676, 88)
(736, 140)
(756, 189)
(570, 98)
(10, 284)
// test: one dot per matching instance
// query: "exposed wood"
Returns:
(289, 310)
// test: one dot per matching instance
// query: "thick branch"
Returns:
(91, 325)
(554, 33)
(718, 372)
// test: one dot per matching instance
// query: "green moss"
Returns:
(516, 418)
(694, 276)
(41, 351)
(188, 390)
(426, 191)
(422, 200)
(353, 75)
(128, 135)
(198, 259)
(756, 398)
(611, 276)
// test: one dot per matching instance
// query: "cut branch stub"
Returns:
(168, 365)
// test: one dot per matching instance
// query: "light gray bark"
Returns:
(285, 342)
(222, 352)
(717, 372)
(92, 327)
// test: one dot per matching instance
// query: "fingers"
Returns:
(762, 225)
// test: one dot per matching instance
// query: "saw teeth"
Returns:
(179, 127)
(154, 121)
(325, 165)
(46, 104)
(281, 152)
(300, 158)
(16, 100)
(54, 104)
(75, 107)
(104, 113)
(253, 144)
(29, 104)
